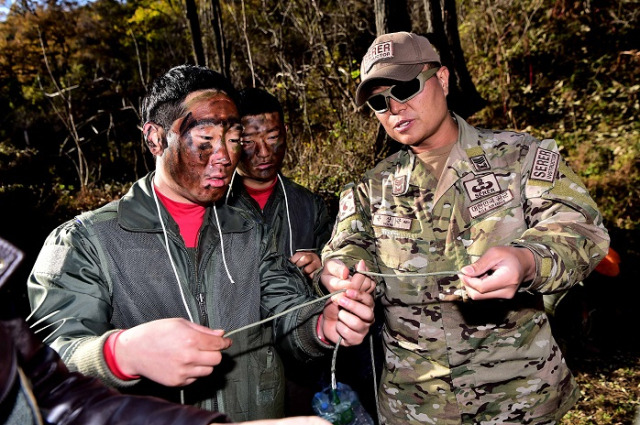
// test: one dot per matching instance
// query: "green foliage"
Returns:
(569, 71)
(561, 69)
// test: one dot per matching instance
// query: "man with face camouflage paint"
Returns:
(141, 291)
(298, 217)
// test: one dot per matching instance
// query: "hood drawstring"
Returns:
(166, 245)
(286, 204)
(224, 257)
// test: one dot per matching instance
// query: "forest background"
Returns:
(72, 75)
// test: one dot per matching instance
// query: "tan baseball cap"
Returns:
(398, 56)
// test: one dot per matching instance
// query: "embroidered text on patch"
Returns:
(391, 221)
(490, 204)
(347, 205)
(545, 165)
(482, 186)
(377, 52)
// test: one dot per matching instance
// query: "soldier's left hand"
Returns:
(335, 276)
(498, 273)
(348, 315)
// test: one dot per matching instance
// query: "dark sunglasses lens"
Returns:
(404, 91)
(378, 103)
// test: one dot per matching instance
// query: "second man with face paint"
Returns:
(297, 217)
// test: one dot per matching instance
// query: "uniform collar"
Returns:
(469, 144)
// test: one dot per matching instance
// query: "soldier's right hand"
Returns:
(172, 352)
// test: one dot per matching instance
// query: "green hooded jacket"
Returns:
(110, 269)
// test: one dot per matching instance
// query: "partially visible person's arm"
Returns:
(70, 398)
(70, 300)
(308, 260)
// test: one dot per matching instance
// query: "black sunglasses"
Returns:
(401, 92)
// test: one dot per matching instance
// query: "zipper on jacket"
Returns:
(202, 306)
(201, 297)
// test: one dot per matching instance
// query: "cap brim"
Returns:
(384, 76)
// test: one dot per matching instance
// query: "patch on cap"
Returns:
(377, 52)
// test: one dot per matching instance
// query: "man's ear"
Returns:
(443, 79)
(154, 137)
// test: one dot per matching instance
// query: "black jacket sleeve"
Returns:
(69, 398)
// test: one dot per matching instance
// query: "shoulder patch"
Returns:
(347, 205)
(545, 165)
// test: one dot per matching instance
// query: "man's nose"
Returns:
(394, 106)
(220, 154)
(263, 150)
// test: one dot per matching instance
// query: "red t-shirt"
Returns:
(188, 216)
(261, 196)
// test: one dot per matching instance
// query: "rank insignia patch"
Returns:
(480, 163)
(400, 185)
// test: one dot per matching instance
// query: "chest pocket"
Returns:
(494, 219)
(399, 242)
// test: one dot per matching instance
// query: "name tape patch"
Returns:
(545, 165)
(347, 205)
(392, 222)
(490, 204)
(481, 187)
(377, 52)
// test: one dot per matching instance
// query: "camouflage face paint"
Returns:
(264, 147)
(203, 147)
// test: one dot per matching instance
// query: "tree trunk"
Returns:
(442, 31)
(391, 16)
(222, 49)
(196, 33)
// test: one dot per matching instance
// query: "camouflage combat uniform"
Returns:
(451, 360)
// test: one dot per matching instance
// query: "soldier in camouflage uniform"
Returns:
(467, 229)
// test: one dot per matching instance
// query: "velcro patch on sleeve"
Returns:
(545, 165)
(51, 259)
(347, 205)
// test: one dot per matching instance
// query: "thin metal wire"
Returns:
(442, 273)
(334, 386)
(283, 313)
